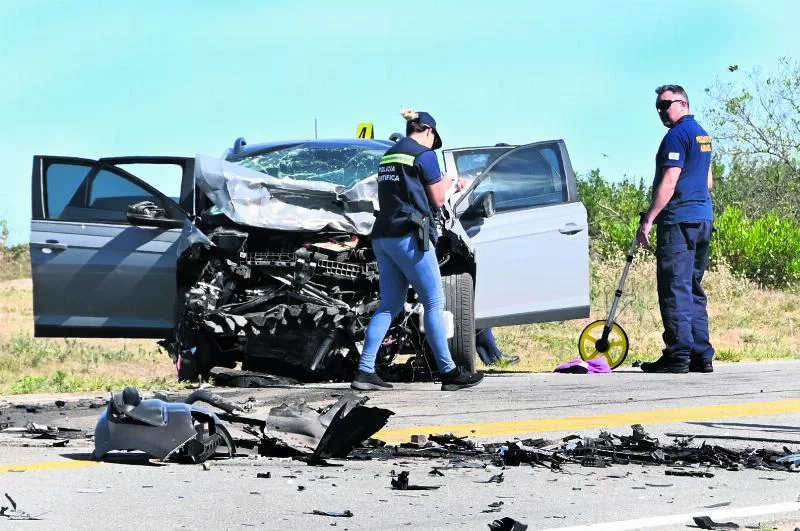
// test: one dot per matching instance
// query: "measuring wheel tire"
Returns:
(591, 344)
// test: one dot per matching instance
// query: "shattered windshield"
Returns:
(343, 165)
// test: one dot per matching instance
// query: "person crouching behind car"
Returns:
(410, 188)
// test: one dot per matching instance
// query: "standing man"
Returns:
(681, 209)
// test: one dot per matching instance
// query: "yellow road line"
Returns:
(520, 427)
(54, 465)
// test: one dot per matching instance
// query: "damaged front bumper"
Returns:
(164, 430)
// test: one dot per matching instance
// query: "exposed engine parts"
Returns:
(285, 303)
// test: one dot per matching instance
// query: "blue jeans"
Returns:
(681, 260)
(401, 262)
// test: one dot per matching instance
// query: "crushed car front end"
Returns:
(278, 271)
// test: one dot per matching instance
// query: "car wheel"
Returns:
(459, 299)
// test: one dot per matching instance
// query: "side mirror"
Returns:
(149, 214)
(481, 207)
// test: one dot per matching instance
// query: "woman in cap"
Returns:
(411, 187)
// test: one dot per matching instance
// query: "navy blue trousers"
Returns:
(486, 345)
(681, 260)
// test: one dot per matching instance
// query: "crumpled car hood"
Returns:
(249, 197)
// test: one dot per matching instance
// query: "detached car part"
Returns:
(296, 429)
(164, 430)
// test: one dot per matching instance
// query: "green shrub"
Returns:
(613, 212)
(765, 250)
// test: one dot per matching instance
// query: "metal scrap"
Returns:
(296, 430)
(401, 483)
(705, 522)
(347, 513)
(689, 473)
(507, 524)
(12, 513)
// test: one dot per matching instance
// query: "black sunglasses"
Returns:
(663, 105)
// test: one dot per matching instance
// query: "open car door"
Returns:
(100, 269)
(532, 256)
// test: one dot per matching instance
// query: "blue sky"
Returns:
(95, 79)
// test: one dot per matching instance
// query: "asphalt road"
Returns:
(68, 490)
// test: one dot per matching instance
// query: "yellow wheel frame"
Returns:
(617, 343)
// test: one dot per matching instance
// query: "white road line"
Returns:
(686, 518)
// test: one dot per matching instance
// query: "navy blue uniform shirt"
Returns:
(687, 146)
(405, 170)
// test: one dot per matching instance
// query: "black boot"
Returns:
(369, 381)
(459, 378)
(666, 364)
(701, 366)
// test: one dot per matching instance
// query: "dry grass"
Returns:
(747, 323)
(30, 364)
(15, 262)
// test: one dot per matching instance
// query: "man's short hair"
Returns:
(675, 89)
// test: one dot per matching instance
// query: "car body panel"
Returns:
(532, 256)
(98, 277)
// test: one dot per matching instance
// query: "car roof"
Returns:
(242, 149)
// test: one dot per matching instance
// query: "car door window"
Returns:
(166, 178)
(470, 163)
(525, 177)
(79, 192)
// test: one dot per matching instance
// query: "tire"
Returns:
(459, 299)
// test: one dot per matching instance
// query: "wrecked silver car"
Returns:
(264, 259)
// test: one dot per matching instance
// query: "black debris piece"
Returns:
(401, 483)
(336, 514)
(350, 425)
(690, 436)
(507, 524)
(689, 473)
(12, 513)
(436, 472)
(494, 507)
(595, 461)
(497, 478)
(704, 522)
(449, 440)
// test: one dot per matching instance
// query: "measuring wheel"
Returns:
(598, 339)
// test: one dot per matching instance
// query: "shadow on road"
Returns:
(128, 458)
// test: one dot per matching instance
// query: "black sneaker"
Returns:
(666, 364)
(459, 378)
(700, 366)
(369, 381)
